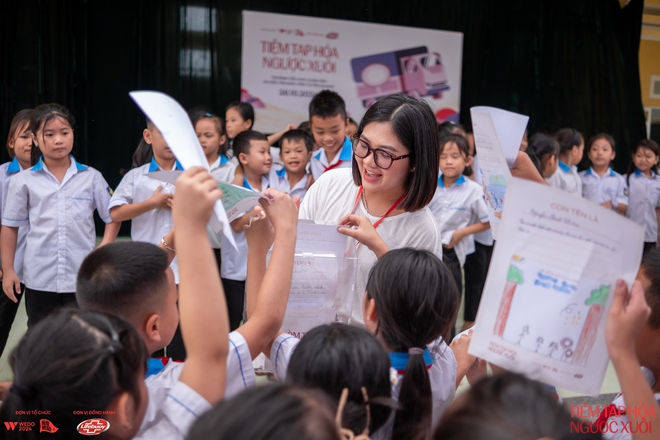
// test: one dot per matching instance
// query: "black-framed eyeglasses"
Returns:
(383, 159)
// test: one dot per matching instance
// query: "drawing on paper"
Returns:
(494, 187)
(550, 312)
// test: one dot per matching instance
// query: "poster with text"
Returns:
(287, 59)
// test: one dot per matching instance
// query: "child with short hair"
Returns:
(292, 177)
(327, 122)
(644, 190)
(571, 150)
(600, 183)
(56, 199)
(19, 147)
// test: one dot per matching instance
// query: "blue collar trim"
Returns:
(153, 166)
(281, 173)
(14, 166)
(399, 361)
(246, 184)
(346, 150)
(223, 159)
(565, 168)
(40, 164)
(154, 366)
(459, 181)
(638, 171)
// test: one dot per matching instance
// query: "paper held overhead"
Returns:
(174, 124)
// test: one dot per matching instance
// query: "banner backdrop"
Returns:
(287, 59)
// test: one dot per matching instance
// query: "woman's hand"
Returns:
(360, 228)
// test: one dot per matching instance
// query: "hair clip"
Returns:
(346, 433)
(415, 350)
(208, 115)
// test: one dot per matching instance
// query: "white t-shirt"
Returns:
(332, 197)
(174, 406)
(566, 178)
(609, 188)
(644, 198)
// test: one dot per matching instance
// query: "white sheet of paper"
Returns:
(510, 129)
(550, 285)
(174, 124)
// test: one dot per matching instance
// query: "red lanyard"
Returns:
(378, 222)
(333, 166)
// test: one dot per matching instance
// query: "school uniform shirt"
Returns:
(455, 207)
(644, 198)
(223, 171)
(153, 225)
(333, 196)
(279, 180)
(234, 261)
(7, 171)
(319, 162)
(609, 188)
(60, 219)
(566, 178)
(173, 406)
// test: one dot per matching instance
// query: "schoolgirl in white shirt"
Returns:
(571, 149)
(600, 183)
(19, 147)
(56, 198)
(457, 201)
(382, 202)
(644, 190)
(292, 177)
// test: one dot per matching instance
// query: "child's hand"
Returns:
(464, 360)
(361, 229)
(625, 321)
(11, 285)
(259, 233)
(607, 204)
(159, 199)
(477, 371)
(282, 211)
(456, 237)
(197, 193)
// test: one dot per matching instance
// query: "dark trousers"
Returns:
(476, 270)
(235, 295)
(39, 304)
(8, 309)
(648, 246)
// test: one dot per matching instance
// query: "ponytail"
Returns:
(414, 421)
(540, 148)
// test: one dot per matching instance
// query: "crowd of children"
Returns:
(158, 334)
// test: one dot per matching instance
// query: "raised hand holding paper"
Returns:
(497, 136)
(174, 124)
(550, 284)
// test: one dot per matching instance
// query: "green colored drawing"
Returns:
(231, 195)
(515, 275)
(497, 180)
(598, 296)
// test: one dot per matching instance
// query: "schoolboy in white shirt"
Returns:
(327, 122)
(292, 177)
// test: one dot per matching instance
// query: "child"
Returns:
(600, 183)
(633, 341)
(292, 178)
(327, 122)
(270, 412)
(56, 199)
(644, 190)
(571, 149)
(544, 152)
(351, 127)
(19, 147)
(251, 149)
(457, 203)
(239, 117)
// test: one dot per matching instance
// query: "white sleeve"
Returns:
(280, 354)
(480, 208)
(16, 213)
(183, 407)
(240, 373)
(622, 192)
(102, 195)
(124, 193)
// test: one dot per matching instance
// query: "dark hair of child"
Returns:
(245, 110)
(73, 362)
(568, 138)
(410, 287)
(21, 120)
(43, 114)
(272, 411)
(296, 136)
(326, 104)
(337, 356)
(243, 141)
(540, 148)
(598, 136)
(463, 146)
(413, 123)
(649, 144)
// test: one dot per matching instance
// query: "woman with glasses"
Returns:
(382, 202)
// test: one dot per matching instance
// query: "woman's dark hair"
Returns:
(463, 146)
(412, 287)
(598, 136)
(70, 363)
(567, 139)
(649, 144)
(413, 123)
(219, 126)
(269, 412)
(21, 119)
(337, 356)
(245, 110)
(540, 148)
(508, 406)
(43, 114)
